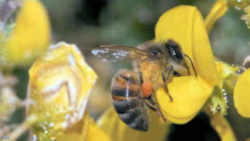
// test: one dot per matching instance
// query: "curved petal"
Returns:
(189, 95)
(203, 56)
(118, 131)
(30, 37)
(242, 94)
(171, 26)
(185, 25)
(59, 86)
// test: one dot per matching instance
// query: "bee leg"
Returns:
(161, 115)
(167, 91)
(150, 102)
(166, 77)
(141, 78)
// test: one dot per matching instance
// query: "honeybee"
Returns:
(154, 64)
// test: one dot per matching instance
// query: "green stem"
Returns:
(22, 128)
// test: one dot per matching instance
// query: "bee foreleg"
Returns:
(166, 77)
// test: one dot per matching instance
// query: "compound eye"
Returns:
(174, 50)
(155, 52)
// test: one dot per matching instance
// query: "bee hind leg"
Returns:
(150, 103)
(154, 106)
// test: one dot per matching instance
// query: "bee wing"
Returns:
(127, 101)
(118, 52)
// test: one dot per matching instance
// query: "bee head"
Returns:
(176, 58)
(174, 51)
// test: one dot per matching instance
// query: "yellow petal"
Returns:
(171, 26)
(118, 131)
(77, 132)
(203, 56)
(189, 95)
(218, 10)
(86, 130)
(242, 94)
(223, 128)
(225, 70)
(59, 86)
(185, 25)
(30, 37)
(95, 133)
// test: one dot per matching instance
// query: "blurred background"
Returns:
(90, 23)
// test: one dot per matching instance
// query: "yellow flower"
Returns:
(30, 38)
(242, 94)
(111, 124)
(59, 86)
(189, 93)
(192, 37)
(86, 130)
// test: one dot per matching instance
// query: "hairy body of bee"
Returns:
(126, 95)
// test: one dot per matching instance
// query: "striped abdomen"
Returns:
(126, 95)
